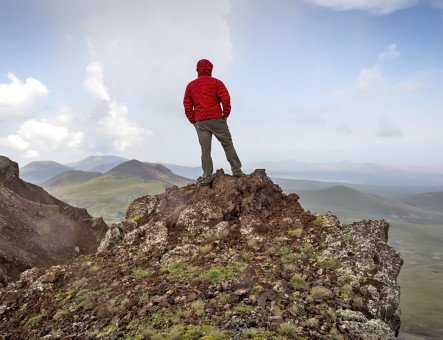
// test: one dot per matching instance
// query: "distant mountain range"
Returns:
(108, 195)
(97, 163)
(41, 171)
(347, 172)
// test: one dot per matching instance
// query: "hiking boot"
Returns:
(238, 173)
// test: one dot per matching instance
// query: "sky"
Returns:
(310, 80)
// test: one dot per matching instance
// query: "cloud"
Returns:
(16, 95)
(117, 126)
(378, 7)
(149, 49)
(16, 142)
(369, 77)
(94, 81)
(41, 131)
(390, 53)
(386, 129)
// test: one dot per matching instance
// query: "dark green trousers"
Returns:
(218, 128)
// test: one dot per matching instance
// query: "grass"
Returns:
(298, 282)
(33, 321)
(106, 196)
(319, 292)
(140, 272)
(295, 232)
(219, 274)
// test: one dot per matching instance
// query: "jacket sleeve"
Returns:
(225, 99)
(189, 106)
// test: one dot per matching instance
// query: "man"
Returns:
(202, 100)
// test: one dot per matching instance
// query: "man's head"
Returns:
(204, 67)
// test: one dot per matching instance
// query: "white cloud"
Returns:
(117, 126)
(94, 81)
(390, 53)
(16, 95)
(386, 128)
(369, 77)
(76, 139)
(379, 7)
(16, 142)
(149, 49)
(50, 134)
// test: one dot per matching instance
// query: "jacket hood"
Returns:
(204, 67)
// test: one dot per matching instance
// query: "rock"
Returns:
(240, 256)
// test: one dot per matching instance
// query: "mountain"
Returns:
(237, 260)
(147, 171)
(351, 173)
(38, 230)
(350, 203)
(427, 200)
(40, 171)
(347, 166)
(192, 172)
(110, 194)
(97, 163)
(71, 177)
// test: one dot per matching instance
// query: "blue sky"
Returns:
(312, 80)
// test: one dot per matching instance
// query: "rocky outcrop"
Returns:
(237, 260)
(38, 230)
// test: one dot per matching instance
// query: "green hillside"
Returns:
(352, 204)
(427, 200)
(71, 177)
(106, 196)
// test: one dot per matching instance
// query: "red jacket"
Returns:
(204, 95)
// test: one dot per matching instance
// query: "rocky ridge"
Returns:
(238, 260)
(38, 230)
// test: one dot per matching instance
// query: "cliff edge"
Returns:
(238, 260)
(38, 230)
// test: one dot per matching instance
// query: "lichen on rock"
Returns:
(236, 260)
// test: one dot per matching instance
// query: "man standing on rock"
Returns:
(202, 101)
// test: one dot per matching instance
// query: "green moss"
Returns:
(219, 274)
(243, 308)
(198, 307)
(205, 249)
(319, 292)
(295, 232)
(33, 321)
(288, 329)
(106, 331)
(346, 291)
(140, 272)
(246, 256)
(135, 218)
(60, 314)
(320, 221)
(298, 282)
(287, 254)
(329, 263)
(94, 269)
(80, 282)
(180, 270)
(309, 250)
